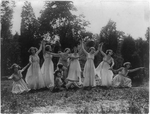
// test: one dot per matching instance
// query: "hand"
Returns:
(141, 67)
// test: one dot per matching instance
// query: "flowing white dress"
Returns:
(122, 80)
(104, 73)
(74, 73)
(34, 77)
(19, 84)
(48, 70)
(89, 72)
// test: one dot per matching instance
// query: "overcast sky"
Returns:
(131, 16)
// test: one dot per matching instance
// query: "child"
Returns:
(121, 79)
(74, 74)
(58, 80)
(89, 68)
(102, 70)
(34, 77)
(48, 67)
(19, 86)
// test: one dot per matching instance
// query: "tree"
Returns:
(147, 34)
(110, 36)
(6, 36)
(29, 27)
(57, 18)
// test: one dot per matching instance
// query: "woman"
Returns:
(121, 79)
(74, 74)
(34, 77)
(89, 68)
(103, 69)
(48, 67)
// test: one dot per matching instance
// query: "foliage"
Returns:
(9, 47)
(57, 18)
(88, 100)
(110, 36)
(29, 27)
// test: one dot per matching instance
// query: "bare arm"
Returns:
(43, 47)
(97, 50)
(116, 71)
(25, 67)
(10, 77)
(54, 54)
(40, 49)
(133, 70)
(83, 48)
(102, 50)
(112, 63)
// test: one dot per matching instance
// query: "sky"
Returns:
(131, 16)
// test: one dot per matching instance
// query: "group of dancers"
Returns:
(68, 71)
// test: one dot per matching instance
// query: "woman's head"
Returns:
(60, 66)
(75, 49)
(48, 48)
(67, 50)
(109, 52)
(15, 67)
(127, 64)
(92, 50)
(32, 50)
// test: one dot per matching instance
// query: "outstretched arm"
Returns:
(97, 50)
(116, 71)
(83, 48)
(54, 54)
(133, 70)
(40, 49)
(102, 50)
(10, 77)
(25, 67)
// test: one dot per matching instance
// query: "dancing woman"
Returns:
(34, 77)
(89, 68)
(74, 74)
(19, 86)
(48, 66)
(103, 69)
(121, 79)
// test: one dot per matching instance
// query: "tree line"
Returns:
(57, 18)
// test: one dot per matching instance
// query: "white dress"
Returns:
(74, 73)
(19, 84)
(122, 80)
(89, 72)
(104, 73)
(34, 77)
(48, 70)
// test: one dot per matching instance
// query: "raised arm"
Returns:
(40, 49)
(43, 47)
(83, 48)
(133, 70)
(101, 50)
(97, 50)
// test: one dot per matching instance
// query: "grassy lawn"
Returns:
(90, 100)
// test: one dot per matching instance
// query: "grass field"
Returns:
(89, 100)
